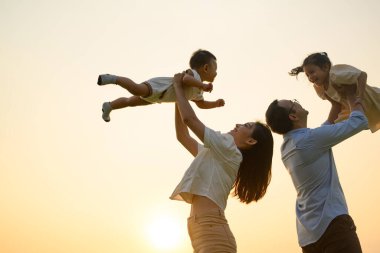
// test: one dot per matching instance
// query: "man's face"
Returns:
(294, 108)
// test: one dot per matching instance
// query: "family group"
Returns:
(240, 161)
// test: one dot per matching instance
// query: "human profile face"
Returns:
(294, 108)
(316, 75)
(209, 71)
(294, 102)
(242, 134)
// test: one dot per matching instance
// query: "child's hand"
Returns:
(208, 87)
(220, 102)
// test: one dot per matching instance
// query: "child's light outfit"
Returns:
(162, 90)
(343, 74)
(211, 174)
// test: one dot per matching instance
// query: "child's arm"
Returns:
(343, 74)
(189, 80)
(349, 93)
(336, 108)
(209, 104)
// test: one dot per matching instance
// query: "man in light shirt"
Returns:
(323, 222)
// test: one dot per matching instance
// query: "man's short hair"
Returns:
(277, 118)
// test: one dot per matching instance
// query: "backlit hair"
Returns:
(201, 58)
(318, 59)
(254, 173)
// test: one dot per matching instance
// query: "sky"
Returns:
(69, 182)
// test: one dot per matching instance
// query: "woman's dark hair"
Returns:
(254, 174)
(277, 118)
(200, 58)
(318, 59)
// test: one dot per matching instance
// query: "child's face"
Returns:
(316, 75)
(208, 72)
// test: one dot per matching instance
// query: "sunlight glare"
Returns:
(165, 232)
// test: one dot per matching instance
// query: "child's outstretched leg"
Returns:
(134, 88)
(121, 103)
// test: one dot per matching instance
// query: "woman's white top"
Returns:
(213, 171)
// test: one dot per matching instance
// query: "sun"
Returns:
(165, 232)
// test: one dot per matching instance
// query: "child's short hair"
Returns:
(200, 58)
(318, 59)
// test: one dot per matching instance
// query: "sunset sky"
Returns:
(71, 183)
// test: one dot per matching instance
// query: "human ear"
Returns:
(205, 67)
(293, 117)
(251, 141)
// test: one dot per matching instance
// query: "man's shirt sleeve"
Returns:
(328, 135)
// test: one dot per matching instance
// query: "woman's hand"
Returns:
(177, 80)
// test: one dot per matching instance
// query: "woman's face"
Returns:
(242, 134)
